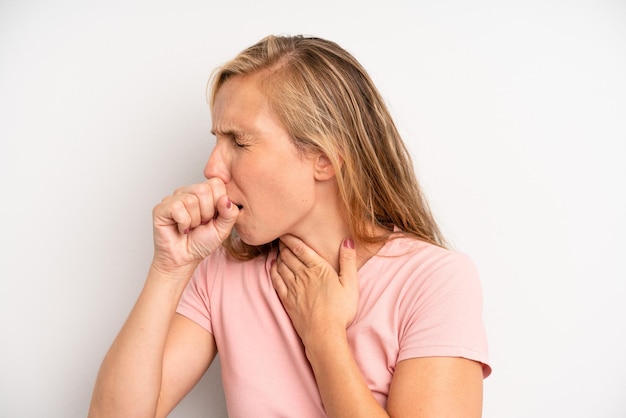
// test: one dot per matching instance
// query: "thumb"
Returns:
(347, 264)
(227, 213)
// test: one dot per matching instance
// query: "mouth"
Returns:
(239, 206)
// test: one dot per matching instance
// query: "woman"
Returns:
(309, 259)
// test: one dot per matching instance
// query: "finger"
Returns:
(348, 275)
(207, 193)
(288, 260)
(204, 195)
(227, 213)
(212, 191)
(177, 212)
(192, 206)
(277, 281)
(163, 213)
(194, 198)
(288, 275)
(300, 250)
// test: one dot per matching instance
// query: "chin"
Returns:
(254, 240)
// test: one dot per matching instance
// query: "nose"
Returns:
(218, 164)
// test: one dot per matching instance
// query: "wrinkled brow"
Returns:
(226, 131)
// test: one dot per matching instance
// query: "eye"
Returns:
(239, 141)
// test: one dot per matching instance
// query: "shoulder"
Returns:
(423, 277)
(416, 258)
(433, 285)
(440, 302)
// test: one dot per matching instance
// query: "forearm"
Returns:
(129, 380)
(342, 387)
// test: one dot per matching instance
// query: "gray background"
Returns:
(514, 111)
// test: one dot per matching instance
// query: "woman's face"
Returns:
(271, 181)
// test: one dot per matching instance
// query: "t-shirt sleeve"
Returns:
(194, 302)
(443, 313)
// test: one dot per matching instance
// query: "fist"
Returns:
(191, 224)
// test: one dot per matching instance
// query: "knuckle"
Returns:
(177, 206)
(215, 186)
(298, 250)
(189, 199)
(204, 189)
(179, 190)
(191, 189)
(281, 267)
(215, 182)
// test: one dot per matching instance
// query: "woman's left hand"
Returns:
(317, 298)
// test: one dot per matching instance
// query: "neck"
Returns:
(326, 227)
(326, 238)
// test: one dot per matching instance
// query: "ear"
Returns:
(324, 169)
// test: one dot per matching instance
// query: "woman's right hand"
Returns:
(191, 224)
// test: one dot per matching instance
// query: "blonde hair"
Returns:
(329, 104)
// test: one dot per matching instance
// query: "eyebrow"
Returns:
(226, 132)
(214, 132)
(237, 133)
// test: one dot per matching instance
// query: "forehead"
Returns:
(241, 106)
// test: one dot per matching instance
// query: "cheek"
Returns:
(276, 181)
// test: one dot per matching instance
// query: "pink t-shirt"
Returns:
(415, 300)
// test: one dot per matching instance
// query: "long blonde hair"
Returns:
(329, 104)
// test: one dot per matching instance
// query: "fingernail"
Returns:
(229, 204)
(348, 243)
(186, 231)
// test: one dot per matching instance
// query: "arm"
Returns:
(189, 352)
(322, 304)
(143, 373)
(430, 387)
(436, 387)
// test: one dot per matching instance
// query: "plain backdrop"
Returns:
(514, 111)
